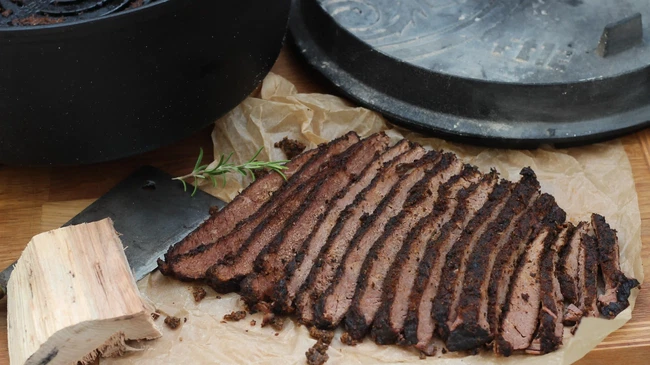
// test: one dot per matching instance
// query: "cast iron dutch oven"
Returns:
(113, 78)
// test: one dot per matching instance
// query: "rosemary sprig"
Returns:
(205, 172)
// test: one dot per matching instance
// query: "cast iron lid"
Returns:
(512, 73)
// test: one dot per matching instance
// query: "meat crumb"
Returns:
(198, 293)
(7, 13)
(422, 355)
(223, 322)
(184, 319)
(253, 322)
(277, 334)
(444, 350)
(290, 147)
(180, 339)
(155, 315)
(218, 297)
(172, 322)
(316, 358)
(323, 335)
(235, 316)
(348, 340)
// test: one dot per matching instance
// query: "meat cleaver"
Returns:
(150, 211)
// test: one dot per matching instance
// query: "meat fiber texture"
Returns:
(596, 178)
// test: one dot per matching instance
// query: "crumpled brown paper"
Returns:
(595, 178)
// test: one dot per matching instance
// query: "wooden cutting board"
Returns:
(33, 200)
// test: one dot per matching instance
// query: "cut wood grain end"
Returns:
(72, 298)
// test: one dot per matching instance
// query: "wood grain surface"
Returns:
(33, 200)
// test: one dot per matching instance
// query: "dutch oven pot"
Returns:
(104, 88)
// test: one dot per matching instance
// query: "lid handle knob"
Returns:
(620, 36)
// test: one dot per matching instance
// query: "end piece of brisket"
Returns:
(225, 275)
(617, 285)
(193, 265)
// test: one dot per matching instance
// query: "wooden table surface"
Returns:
(33, 200)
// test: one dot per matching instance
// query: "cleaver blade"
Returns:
(150, 211)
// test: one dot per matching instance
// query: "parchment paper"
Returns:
(596, 178)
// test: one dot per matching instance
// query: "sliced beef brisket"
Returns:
(521, 313)
(271, 261)
(324, 268)
(549, 333)
(298, 268)
(506, 262)
(453, 274)
(569, 265)
(332, 306)
(617, 285)
(388, 324)
(193, 264)
(246, 203)
(225, 276)
(369, 289)
(470, 329)
(419, 325)
(589, 255)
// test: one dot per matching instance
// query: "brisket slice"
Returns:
(388, 324)
(470, 329)
(521, 313)
(247, 202)
(589, 283)
(298, 268)
(549, 333)
(569, 265)
(453, 274)
(419, 325)
(369, 289)
(225, 276)
(332, 306)
(324, 268)
(193, 264)
(271, 261)
(506, 262)
(617, 285)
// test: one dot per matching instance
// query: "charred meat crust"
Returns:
(370, 229)
(470, 329)
(324, 268)
(369, 288)
(193, 264)
(225, 276)
(455, 260)
(617, 285)
(271, 260)
(221, 222)
(298, 268)
(400, 280)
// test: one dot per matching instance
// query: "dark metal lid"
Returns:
(505, 73)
